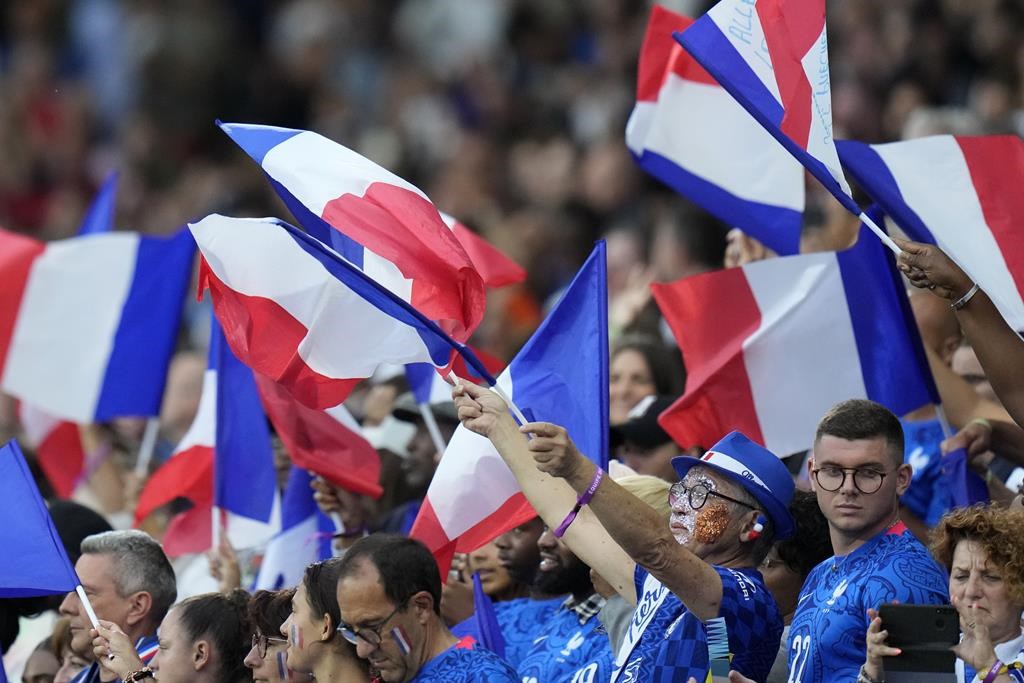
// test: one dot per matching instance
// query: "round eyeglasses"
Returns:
(697, 495)
(262, 642)
(865, 479)
(368, 634)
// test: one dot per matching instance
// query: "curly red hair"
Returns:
(998, 530)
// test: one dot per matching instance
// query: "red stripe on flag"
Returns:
(407, 230)
(496, 269)
(189, 532)
(711, 316)
(275, 356)
(996, 164)
(661, 56)
(188, 474)
(62, 457)
(791, 27)
(17, 254)
(319, 443)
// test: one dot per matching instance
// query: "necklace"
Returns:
(838, 562)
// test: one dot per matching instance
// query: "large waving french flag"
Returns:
(961, 193)
(560, 376)
(688, 132)
(772, 56)
(225, 458)
(295, 311)
(801, 334)
(375, 219)
(88, 324)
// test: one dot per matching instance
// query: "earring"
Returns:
(755, 533)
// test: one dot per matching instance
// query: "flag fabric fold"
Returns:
(483, 625)
(688, 132)
(99, 217)
(965, 487)
(961, 193)
(58, 447)
(560, 376)
(772, 56)
(88, 324)
(379, 222)
(33, 561)
(803, 333)
(289, 306)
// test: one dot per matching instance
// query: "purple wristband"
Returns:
(580, 502)
(993, 672)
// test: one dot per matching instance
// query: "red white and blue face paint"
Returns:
(283, 672)
(401, 639)
(295, 637)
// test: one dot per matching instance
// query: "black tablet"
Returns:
(925, 633)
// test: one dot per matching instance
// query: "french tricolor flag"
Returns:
(88, 324)
(561, 376)
(801, 334)
(58, 447)
(295, 311)
(689, 132)
(379, 222)
(772, 56)
(963, 194)
(224, 460)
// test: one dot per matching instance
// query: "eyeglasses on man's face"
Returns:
(697, 495)
(262, 642)
(865, 479)
(368, 634)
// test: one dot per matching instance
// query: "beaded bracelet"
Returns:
(580, 502)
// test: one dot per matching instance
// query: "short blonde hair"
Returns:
(651, 490)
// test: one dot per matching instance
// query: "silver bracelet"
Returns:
(862, 677)
(962, 301)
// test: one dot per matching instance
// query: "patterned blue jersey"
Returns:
(928, 496)
(566, 651)
(466, 662)
(521, 620)
(826, 638)
(665, 643)
(1010, 652)
(146, 647)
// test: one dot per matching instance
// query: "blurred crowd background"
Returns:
(509, 114)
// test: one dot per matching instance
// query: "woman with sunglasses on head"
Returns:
(268, 656)
(313, 645)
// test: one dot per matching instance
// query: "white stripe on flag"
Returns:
(805, 332)
(739, 23)
(69, 316)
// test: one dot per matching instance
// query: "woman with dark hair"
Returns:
(314, 645)
(268, 656)
(639, 366)
(202, 640)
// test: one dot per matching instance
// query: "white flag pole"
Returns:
(431, 423)
(886, 240)
(147, 447)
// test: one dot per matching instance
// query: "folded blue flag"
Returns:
(33, 561)
(483, 625)
(965, 487)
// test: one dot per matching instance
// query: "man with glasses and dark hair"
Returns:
(694, 582)
(858, 474)
(389, 593)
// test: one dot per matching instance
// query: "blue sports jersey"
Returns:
(466, 662)
(826, 638)
(146, 647)
(567, 651)
(1009, 652)
(928, 496)
(521, 620)
(665, 643)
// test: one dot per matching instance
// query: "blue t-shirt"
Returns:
(666, 643)
(566, 651)
(826, 638)
(928, 496)
(466, 662)
(521, 620)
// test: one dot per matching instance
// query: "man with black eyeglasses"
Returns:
(858, 474)
(389, 592)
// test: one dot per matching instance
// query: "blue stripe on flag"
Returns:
(148, 330)
(895, 370)
(257, 142)
(775, 226)
(99, 217)
(868, 170)
(244, 478)
(319, 228)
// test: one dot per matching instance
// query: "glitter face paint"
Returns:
(684, 518)
(712, 521)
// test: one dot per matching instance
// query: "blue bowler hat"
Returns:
(756, 469)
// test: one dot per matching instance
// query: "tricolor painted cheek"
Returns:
(283, 672)
(295, 637)
(712, 521)
(401, 639)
